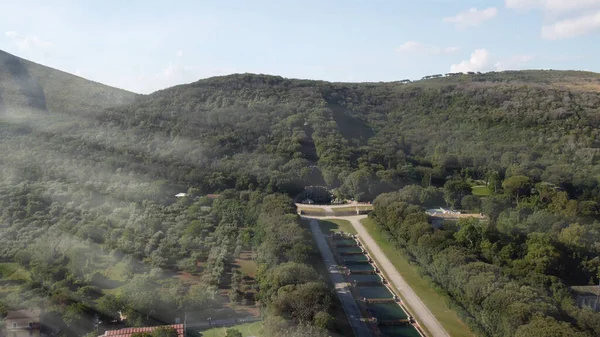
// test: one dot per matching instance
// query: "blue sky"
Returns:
(148, 45)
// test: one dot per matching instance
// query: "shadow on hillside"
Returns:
(27, 86)
(351, 128)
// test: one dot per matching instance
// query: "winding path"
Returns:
(418, 309)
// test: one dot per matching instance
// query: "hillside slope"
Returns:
(28, 86)
(368, 137)
(105, 181)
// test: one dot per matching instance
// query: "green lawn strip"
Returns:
(336, 225)
(247, 330)
(311, 209)
(436, 302)
(351, 209)
(481, 190)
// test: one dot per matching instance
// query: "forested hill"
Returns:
(89, 222)
(26, 86)
(256, 130)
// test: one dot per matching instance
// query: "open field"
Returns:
(481, 191)
(436, 303)
(247, 330)
(336, 225)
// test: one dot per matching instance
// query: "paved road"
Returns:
(339, 282)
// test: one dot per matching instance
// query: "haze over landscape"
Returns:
(406, 169)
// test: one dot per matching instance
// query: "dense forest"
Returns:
(509, 275)
(88, 176)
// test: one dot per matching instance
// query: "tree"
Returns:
(517, 186)
(548, 327)
(470, 233)
(164, 331)
(471, 203)
(541, 253)
(110, 306)
(492, 206)
(301, 302)
(454, 191)
(323, 320)
(233, 333)
(493, 181)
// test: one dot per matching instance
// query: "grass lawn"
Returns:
(481, 191)
(311, 209)
(336, 225)
(352, 209)
(434, 301)
(247, 330)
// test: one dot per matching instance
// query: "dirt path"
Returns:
(422, 314)
(341, 286)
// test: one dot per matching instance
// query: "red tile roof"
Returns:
(127, 332)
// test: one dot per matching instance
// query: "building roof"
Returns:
(33, 315)
(127, 332)
(213, 196)
(586, 290)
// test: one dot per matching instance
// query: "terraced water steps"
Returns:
(361, 268)
(350, 250)
(377, 292)
(386, 311)
(351, 259)
(398, 331)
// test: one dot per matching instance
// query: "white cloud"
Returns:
(577, 26)
(563, 18)
(552, 5)
(179, 53)
(480, 60)
(409, 47)
(416, 47)
(27, 42)
(472, 17)
(514, 63)
(450, 50)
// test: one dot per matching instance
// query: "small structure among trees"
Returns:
(23, 323)
(587, 297)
